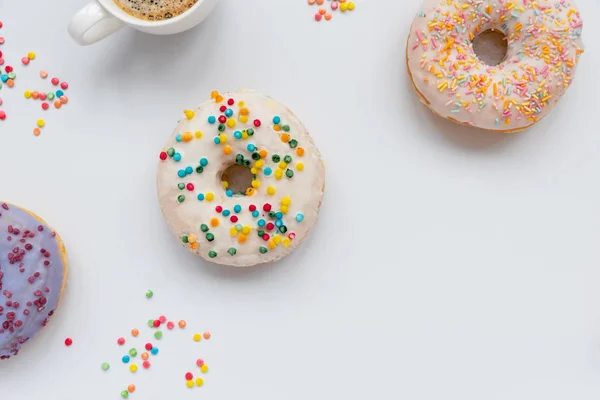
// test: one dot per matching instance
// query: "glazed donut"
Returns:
(544, 46)
(33, 276)
(271, 212)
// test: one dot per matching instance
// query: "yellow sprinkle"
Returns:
(276, 239)
(278, 173)
(223, 138)
(190, 384)
(254, 170)
(343, 7)
(259, 164)
(209, 196)
(241, 104)
(198, 134)
(191, 238)
(133, 368)
(27, 94)
(189, 114)
(300, 166)
(284, 209)
(351, 5)
(233, 231)
(271, 190)
(286, 201)
(283, 165)
(231, 123)
(199, 381)
(243, 119)
(41, 123)
(286, 242)
(256, 184)
(250, 191)
(246, 230)
(225, 184)
(31, 55)
(244, 134)
(187, 136)
(197, 337)
(204, 368)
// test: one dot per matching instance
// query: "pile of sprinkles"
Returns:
(149, 351)
(341, 5)
(544, 46)
(268, 220)
(8, 77)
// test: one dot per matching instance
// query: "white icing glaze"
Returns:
(544, 45)
(305, 188)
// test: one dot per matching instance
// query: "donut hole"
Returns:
(238, 177)
(490, 47)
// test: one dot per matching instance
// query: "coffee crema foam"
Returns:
(155, 10)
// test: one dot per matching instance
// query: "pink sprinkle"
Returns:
(64, 85)
(318, 17)
(200, 362)
(55, 81)
(146, 364)
(25, 60)
(2, 115)
(162, 319)
(43, 74)
(334, 5)
(170, 325)
(42, 96)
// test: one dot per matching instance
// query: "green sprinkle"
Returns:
(157, 335)
(276, 158)
(287, 159)
(181, 185)
(105, 366)
(250, 132)
(221, 128)
(171, 152)
(184, 239)
(199, 169)
(246, 163)
(181, 198)
(262, 250)
(151, 323)
(133, 352)
(261, 233)
(232, 251)
(289, 173)
(239, 159)
(283, 229)
(293, 143)
(50, 96)
(212, 254)
(150, 293)
(124, 394)
(12, 75)
(255, 156)
(204, 228)
(286, 128)
(271, 214)
(210, 237)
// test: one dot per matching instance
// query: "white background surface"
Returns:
(447, 263)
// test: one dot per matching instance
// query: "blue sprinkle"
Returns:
(237, 134)
(238, 227)
(203, 162)
(217, 140)
(200, 197)
(178, 138)
(228, 112)
(60, 93)
(189, 170)
(276, 120)
(229, 193)
(279, 215)
(237, 208)
(181, 173)
(299, 217)
(125, 359)
(177, 157)
(226, 213)
(251, 147)
(278, 223)
(212, 119)
(154, 351)
(4, 78)
(267, 171)
(255, 213)
(261, 222)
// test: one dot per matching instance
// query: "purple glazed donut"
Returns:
(33, 274)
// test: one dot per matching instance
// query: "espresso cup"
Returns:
(101, 18)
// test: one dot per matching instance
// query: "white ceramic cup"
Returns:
(102, 18)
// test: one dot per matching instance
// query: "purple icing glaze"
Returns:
(31, 277)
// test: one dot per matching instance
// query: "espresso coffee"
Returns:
(155, 10)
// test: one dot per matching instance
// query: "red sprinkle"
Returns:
(230, 102)
(121, 341)
(146, 364)
(257, 123)
(233, 218)
(55, 81)
(64, 85)
(189, 376)
(149, 346)
(46, 106)
(162, 156)
(190, 187)
(270, 226)
(222, 108)
(267, 207)
(222, 119)
(170, 325)
(252, 207)
(219, 209)
(156, 323)
(68, 341)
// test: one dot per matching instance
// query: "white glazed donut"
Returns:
(273, 213)
(544, 45)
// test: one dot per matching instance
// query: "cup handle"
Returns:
(92, 24)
